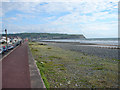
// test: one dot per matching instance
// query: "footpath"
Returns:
(16, 70)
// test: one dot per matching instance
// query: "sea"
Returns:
(100, 42)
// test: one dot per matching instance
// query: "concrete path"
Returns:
(15, 69)
(36, 80)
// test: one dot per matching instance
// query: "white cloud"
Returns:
(84, 6)
(101, 29)
(76, 18)
(56, 0)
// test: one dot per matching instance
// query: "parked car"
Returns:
(4, 48)
(10, 46)
(18, 43)
(14, 45)
(1, 50)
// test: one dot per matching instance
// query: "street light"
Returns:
(6, 37)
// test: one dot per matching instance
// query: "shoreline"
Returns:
(88, 44)
(90, 49)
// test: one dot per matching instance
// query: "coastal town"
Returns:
(8, 43)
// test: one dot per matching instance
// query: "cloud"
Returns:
(91, 17)
(101, 29)
(89, 30)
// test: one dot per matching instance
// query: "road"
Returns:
(15, 68)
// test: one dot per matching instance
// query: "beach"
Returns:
(87, 48)
(69, 65)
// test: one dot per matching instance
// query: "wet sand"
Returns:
(87, 48)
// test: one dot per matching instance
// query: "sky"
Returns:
(92, 18)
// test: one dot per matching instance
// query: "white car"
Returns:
(1, 50)
(10, 47)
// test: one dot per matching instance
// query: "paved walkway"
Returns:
(15, 69)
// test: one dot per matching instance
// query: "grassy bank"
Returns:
(61, 68)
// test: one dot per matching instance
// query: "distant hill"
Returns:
(46, 36)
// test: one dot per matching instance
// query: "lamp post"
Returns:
(6, 38)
